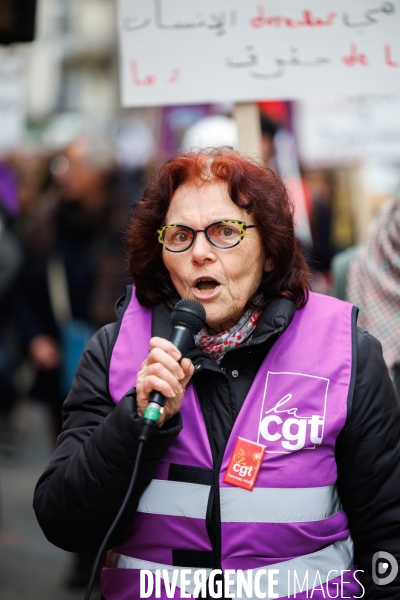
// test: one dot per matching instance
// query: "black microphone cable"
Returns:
(187, 318)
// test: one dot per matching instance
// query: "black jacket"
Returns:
(82, 487)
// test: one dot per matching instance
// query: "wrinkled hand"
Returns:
(162, 372)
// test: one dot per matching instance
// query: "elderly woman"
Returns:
(277, 455)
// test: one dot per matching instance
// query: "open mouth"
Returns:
(206, 285)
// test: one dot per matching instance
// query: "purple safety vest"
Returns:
(292, 521)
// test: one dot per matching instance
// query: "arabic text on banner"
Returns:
(176, 52)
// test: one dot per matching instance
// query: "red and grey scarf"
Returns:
(217, 345)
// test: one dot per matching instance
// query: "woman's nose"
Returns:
(202, 250)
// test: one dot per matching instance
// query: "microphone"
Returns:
(187, 318)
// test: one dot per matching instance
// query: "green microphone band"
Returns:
(152, 413)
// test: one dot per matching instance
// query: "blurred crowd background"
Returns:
(72, 163)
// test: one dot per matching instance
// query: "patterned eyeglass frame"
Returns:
(242, 225)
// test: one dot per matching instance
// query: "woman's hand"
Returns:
(162, 372)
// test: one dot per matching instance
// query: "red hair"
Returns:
(258, 190)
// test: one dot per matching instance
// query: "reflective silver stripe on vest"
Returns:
(278, 505)
(175, 498)
(329, 562)
(262, 505)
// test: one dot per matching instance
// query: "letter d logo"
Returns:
(380, 568)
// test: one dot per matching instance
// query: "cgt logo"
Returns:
(244, 464)
(293, 413)
(243, 470)
(240, 466)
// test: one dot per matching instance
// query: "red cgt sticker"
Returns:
(245, 464)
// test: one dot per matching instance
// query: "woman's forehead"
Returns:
(207, 202)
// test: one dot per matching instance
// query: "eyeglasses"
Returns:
(223, 234)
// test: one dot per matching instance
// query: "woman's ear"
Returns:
(268, 265)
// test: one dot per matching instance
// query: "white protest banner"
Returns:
(12, 113)
(198, 51)
(335, 133)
